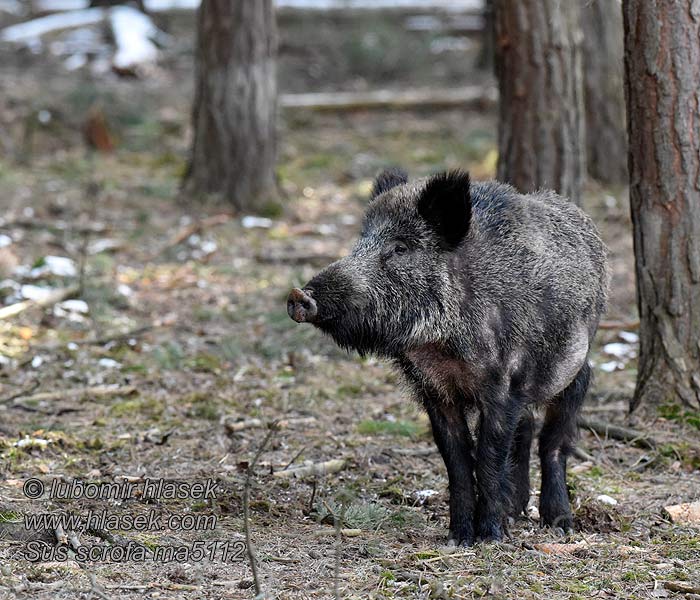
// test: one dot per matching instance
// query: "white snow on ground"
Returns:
(133, 35)
(31, 30)
(56, 5)
(11, 6)
(454, 5)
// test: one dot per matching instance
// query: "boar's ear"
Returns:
(388, 179)
(446, 206)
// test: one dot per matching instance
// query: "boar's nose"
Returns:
(301, 306)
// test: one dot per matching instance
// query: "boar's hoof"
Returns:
(462, 537)
(562, 522)
(489, 530)
(301, 306)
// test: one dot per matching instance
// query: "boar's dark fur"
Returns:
(487, 300)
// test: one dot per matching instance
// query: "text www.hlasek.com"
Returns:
(153, 520)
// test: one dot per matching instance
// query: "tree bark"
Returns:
(662, 71)
(235, 104)
(604, 97)
(538, 64)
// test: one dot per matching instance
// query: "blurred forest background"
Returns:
(160, 193)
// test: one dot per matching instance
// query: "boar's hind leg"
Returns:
(451, 433)
(520, 463)
(556, 442)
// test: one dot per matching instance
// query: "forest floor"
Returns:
(183, 355)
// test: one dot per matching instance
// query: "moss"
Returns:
(149, 407)
(398, 428)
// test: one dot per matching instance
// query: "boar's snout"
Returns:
(301, 306)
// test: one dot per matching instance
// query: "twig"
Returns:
(617, 432)
(191, 229)
(52, 298)
(297, 455)
(582, 454)
(117, 337)
(24, 392)
(246, 511)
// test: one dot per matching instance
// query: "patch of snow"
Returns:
(13, 7)
(26, 441)
(57, 5)
(125, 290)
(613, 365)
(619, 350)
(134, 33)
(109, 363)
(79, 306)
(605, 499)
(35, 292)
(103, 245)
(61, 266)
(75, 62)
(423, 495)
(629, 337)
(30, 31)
(249, 222)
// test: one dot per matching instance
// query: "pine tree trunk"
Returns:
(604, 98)
(233, 154)
(662, 74)
(538, 64)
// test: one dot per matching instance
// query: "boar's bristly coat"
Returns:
(487, 300)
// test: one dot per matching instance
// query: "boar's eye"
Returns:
(400, 248)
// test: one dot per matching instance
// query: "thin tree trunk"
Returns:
(662, 75)
(604, 97)
(538, 63)
(235, 103)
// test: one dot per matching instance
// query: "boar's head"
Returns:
(397, 287)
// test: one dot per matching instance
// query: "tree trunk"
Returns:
(603, 93)
(538, 64)
(235, 104)
(662, 71)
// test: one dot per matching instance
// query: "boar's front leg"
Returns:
(497, 426)
(451, 433)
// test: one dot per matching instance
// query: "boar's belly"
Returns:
(448, 375)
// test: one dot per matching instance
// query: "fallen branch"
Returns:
(582, 454)
(318, 469)
(297, 258)
(479, 96)
(617, 432)
(191, 229)
(99, 391)
(50, 299)
(344, 531)
(682, 587)
(233, 426)
(619, 325)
